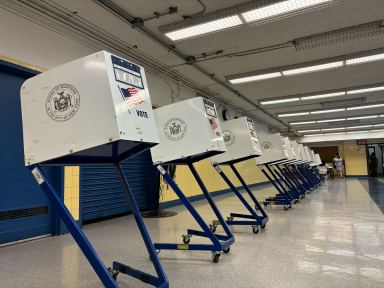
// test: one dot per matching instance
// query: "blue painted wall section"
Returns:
(24, 209)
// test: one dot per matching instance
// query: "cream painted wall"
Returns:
(248, 170)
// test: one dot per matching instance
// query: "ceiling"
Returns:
(209, 76)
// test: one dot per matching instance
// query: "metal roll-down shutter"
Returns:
(101, 192)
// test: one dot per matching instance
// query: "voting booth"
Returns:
(241, 144)
(190, 131)
(274, 151)
(94, 110)
(272, 148)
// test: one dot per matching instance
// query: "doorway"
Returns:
(377, 150)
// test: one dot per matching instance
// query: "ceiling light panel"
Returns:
(362, 117)
(351, 132)
(293, 114)
(314, 68)
(365, 107)
(328, 111)
(366, 59)
(365, 90)
(321, 96)
(333, 129)
(278, 101)
(254, 78)
(307, 131)
(359, 127)
(281, 8)
(204, 28)
(331, 120)
(302, 123)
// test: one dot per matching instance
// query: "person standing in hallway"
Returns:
(372, 165)
(338, 163)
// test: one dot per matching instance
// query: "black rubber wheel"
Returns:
(263, 226)
(256, 208)
(290, 206)
(212, 228)
(114, 273)
(186, 239)
(255, 230)
(286, 207)
(226, 251)
(216, 258)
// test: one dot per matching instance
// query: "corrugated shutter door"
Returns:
(101, 193)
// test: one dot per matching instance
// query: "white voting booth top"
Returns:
(298, 152)
(240, 140)
(272, 149)
(318, 159)
(80, 108)
(189, 130)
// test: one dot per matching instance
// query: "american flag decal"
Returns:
(213, 123)
(132, 96)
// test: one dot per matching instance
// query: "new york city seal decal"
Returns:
(62, 102)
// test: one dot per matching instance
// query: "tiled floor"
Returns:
(333, 238)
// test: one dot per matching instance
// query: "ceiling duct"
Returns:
(340, 35)
(343, 103)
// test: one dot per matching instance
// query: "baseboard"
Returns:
(356, 176)
(199, 197)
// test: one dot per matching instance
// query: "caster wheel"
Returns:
(230, 218)
(215, 257)
(256, 208)
(114, 273)
(226, 251)
(286, 207)
(212, 228)
(255, 229)
(186, 239)
(290, 206)
(263, 226)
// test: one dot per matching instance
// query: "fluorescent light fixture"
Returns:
(280, 8)
(378, 125)
(336, 133)
(204, 28)
(382, 115)
(331, 120)
(351, 132)
(362, 117)
(365, 59)
(293, 114)
(365, 107)
(280, 101)
(320, 96)
(328, 111)
(255, 78)
(333, 129)
(303, 123)
(366, 90)
(378, 130)
(359, 127)
(312, 130)
(314, 68)
(309, 135)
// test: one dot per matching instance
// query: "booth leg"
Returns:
(161, 280)
(73, 228)
(254, 219)
(215, 247)
(213, 205)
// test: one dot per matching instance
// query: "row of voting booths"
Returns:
(97, 110)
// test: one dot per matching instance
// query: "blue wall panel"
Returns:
(24, 209)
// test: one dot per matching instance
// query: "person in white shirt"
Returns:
(338, 163)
